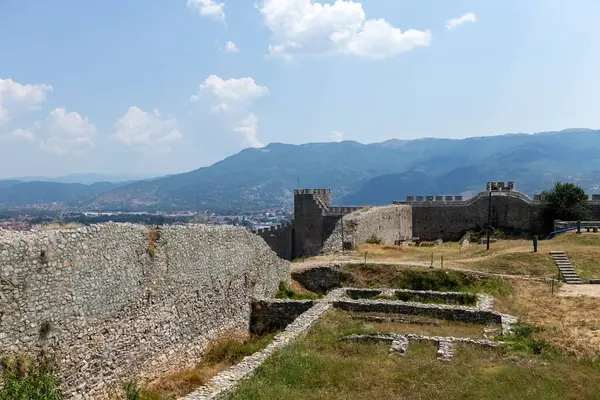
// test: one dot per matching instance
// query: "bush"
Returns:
(522, 339)
(285, 292)
(131, 391)
(566, 202)
(24, 379)
(374, 239)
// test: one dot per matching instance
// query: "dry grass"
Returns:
(153, 237)
(299, 289)
(57, 226)
(571, 324)
(224, 352)
(515, 257)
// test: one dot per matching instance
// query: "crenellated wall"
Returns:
(279, 239)
(115, 301)
(448, 217)
(433, 217)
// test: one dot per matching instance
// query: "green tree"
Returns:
(566, 202)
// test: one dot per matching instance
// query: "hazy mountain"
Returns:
(86, 179)
(15, 193)
(376, 173)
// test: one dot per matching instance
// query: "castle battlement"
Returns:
(273, 228)
(500, 186)
(343, 210)
(441, 199)
(303, 191)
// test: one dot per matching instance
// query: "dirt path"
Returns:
(579, 290)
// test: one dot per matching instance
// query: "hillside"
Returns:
(358, 174)
(16, 193)
(375, 173)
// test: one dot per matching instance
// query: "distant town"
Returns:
(37, 218)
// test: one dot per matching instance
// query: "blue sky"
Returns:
(151, 87)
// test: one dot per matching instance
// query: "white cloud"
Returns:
(304, 26)
(17, 98)
(231, 93)
(235, 96)
(70, 123)
(3, 115)
(249, 129)
(231, 47)
(23, 134)
(147, 131)
(454, 22)
(69, 132)
(208, 8)
(336, 136)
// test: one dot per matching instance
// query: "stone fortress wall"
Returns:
(433, 217)
(388, 224)
(449, 217)
(279, 239)
(114, 301)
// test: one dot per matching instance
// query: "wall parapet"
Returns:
(343, 209)
(273, 228)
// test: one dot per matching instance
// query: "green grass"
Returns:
(534, 264)
(463, 299)
(523, 339)
(25, 379)
(318, 366)
(400, 277)
(285, 292)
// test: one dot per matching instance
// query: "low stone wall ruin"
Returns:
(319, 278)
(115, 301)
(271, 315)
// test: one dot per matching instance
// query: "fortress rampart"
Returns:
(448, 217)
(279, 238)
(115, 301)
(445, 217)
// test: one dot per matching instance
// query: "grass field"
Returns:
(515, 257)
(347, 323)
(318, 366)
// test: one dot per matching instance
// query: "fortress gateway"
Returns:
(432, 217)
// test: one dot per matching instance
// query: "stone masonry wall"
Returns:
(388, 223)
(113, 301)
(279, 239)
(449, 222)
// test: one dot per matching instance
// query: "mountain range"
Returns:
(377, 173)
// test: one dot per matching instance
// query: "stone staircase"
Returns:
(564, 266)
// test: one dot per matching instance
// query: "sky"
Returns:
(152, 87)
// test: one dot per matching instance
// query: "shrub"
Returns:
(285, 292)
(24, 379)
(153, 237)
(131, 390)
(522, 339)
(374, 239)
